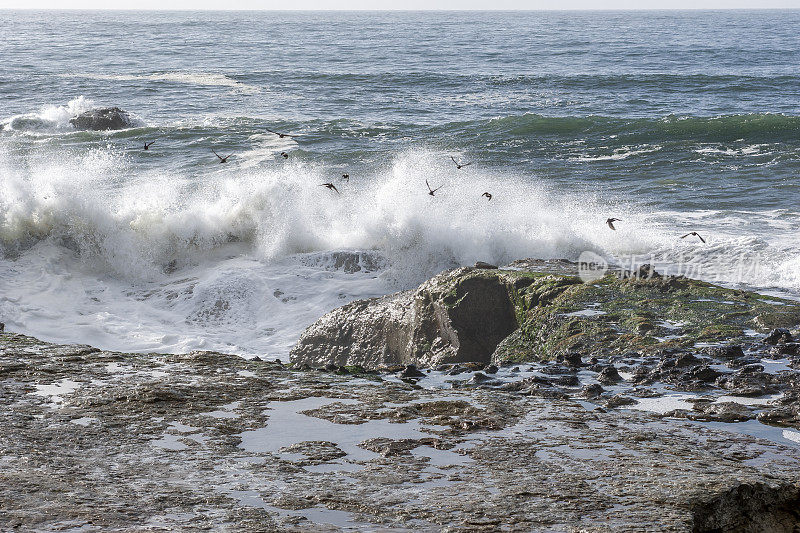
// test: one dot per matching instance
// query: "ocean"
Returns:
(672, 122)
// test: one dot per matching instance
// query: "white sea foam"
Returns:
(207, 79)
(51, 117)
(241, 258)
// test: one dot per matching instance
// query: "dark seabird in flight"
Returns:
(331, 186)
(611, 221)
(221, 159)
(695, 234)
(285, 155)
(432, 191)
(281, 135)
(459, 166)
(148, 145)
(487, 195)
(346, 177)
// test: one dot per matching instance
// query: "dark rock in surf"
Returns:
(411, 371)
(725, 352)
(592, 391)
(609, 375)
(779, 335)
(107, 118)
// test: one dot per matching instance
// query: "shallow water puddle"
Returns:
(754, 428)
(774, 366)
(317, 515)
(83, 421)
(287, 426)
(664, 404)
(441, 457)
(55, 391)
(225, 411)
(171, 441)
(586, 312)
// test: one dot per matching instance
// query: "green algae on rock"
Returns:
(537, 310)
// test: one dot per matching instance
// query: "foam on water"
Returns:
(210, 79)
(242, 258)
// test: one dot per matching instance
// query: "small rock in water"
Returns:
(725, 352)
(703, 373)
(743, 361)
(479, 377)
(109, 118)
(720, 412)
(330, 367)
(779, 335)
(573, 359)
(619, 400)
(491, 369)
(488, 266)
(777, 351)
(592, 391)
(411, 371)
(687, 359)
(609, 375)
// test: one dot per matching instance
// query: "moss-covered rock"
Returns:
(617, 315)
(535, 311)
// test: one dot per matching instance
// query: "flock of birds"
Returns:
(431, 191)
(610, 223)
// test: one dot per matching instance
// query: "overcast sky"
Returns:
(397, 4)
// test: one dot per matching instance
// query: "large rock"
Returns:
(107, 118)
(457, 316)
(536, 310)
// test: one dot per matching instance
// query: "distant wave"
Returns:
(209, 79)
(761, 127)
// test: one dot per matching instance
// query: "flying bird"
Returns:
(285, 155)
(221, 159)
(147, 145)
(281, 135)
(459, 166)
(487, 195)
(346, 177)
(331, 186)
(695, 234)
(432, 191)
(611, 221)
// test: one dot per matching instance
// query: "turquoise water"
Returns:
(671, 121)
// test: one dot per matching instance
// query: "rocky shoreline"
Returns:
(629, 403)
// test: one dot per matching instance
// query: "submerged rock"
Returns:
(107, 118)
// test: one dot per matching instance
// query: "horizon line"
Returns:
(357, 10)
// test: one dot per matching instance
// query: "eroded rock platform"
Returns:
(102, 441)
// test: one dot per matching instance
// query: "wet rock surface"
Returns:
(541, 310)
(97, 440)
(107, 118)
